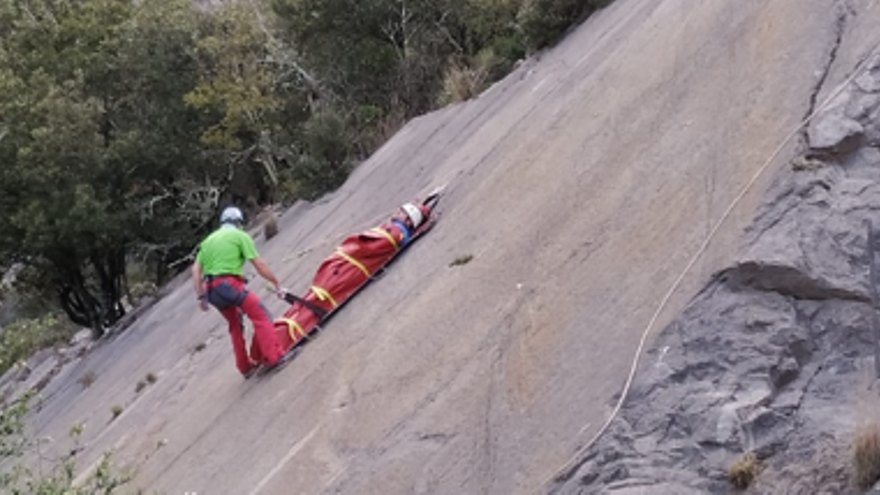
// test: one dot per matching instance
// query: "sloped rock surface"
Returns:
(34, 375)
(581, 185)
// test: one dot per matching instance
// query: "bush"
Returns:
(116, 411)
(12, 441)
(59, 479)
(141, 280)
(507, 49)
(544, 21)
(866, 456)
(744, 471)
(324, 163)
(270, 228)
(462, 82)
(24, 337)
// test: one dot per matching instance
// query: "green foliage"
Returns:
(402, 58)
(22, 338)
(58, 479)
(236, 82)
(12, 440)
(354, 44)
(544, 21)
(95, 130)
(325, 160)
(246, 84)
(86, 110)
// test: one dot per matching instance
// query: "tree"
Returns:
(95, 135)
(378, 53)
(256, 101)
(67, 223)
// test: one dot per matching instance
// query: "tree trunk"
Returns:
(76, 300)
(78, 296)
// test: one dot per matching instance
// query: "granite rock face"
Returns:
(742, 370)
(776, 355)
(851, 120)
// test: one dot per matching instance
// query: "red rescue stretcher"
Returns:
(357, 261)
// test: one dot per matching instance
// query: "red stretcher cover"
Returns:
(349, 268)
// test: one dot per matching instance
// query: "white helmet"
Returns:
(231, 214)
(414, 213)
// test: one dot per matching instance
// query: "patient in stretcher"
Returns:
(354, 262)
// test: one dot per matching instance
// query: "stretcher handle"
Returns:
(293, 299)
(432, 200)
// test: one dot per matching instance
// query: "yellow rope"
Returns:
(353, 261)
(387, 235)
(292, 328)
(324, 295)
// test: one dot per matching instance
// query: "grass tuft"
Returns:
(87, 379)
(462, 260)
(463, 82)
(866, 456)
(744, 471)
(805, 164)
(116, 411)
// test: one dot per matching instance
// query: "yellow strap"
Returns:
(387, 235)
(353, 261)
(293, 327)
(323, 295)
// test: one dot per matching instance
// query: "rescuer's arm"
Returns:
(199, 285)
(265, 272)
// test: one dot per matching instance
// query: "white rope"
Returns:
(665, 301)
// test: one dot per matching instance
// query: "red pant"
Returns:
(229, 295)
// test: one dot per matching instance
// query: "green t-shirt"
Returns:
(225, 251)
